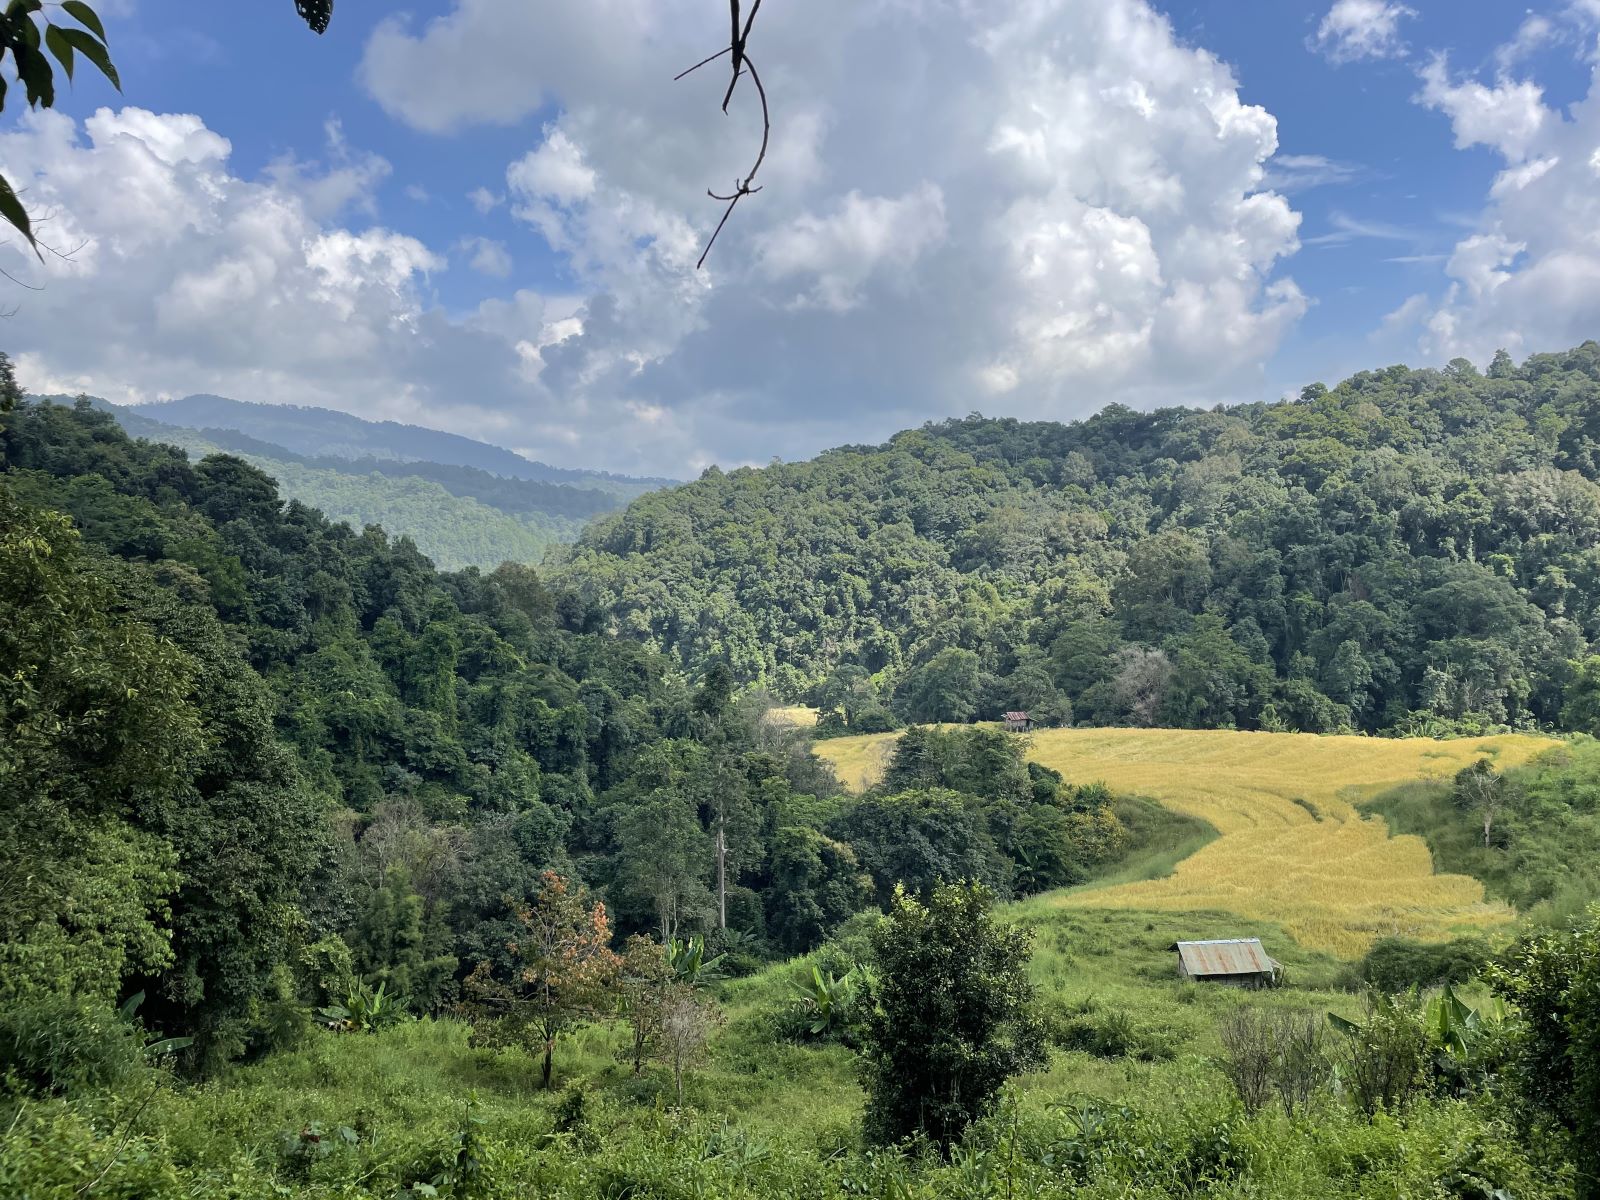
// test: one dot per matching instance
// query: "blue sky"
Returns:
(260, 78)
(1032, 207)
(1408, 187)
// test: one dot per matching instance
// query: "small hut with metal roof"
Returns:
(1242, 962)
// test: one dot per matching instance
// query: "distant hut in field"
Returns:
(1242, 962)
(1018, 722)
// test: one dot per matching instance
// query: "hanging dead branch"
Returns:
(738, 40)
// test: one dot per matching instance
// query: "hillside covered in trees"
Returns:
(1412, 550)
(269, 736)
(458, 515)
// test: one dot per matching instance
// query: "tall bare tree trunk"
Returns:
(722, 873)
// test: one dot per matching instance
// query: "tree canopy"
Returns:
(1413, 550)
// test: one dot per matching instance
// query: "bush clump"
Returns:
(1108, 1033)
(1396, 964)
(54, 1045)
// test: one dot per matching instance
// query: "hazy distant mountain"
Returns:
(329, 434)
(459, 515)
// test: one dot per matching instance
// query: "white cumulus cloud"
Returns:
(487, 256)
(1084, 216)
(1357, 29)
(1508, 116)
(863, 237)
(1052, 204)
(190, 278)
(1527, 278)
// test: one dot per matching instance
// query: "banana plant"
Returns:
(365, 1009)
(156, 1047)
(689, 962)
(829, 1001)
(1382, 1006)
(1459, 1028)
(1464, 1039)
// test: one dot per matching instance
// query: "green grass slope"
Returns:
(1134, 1053)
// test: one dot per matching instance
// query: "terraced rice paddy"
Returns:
(1292, 847)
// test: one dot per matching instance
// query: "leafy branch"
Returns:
(29, 37)
(315, 13)
(32, 40)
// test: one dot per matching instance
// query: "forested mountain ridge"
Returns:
(509, 493)
(325, 432)
(1413, 549)
(459, 516)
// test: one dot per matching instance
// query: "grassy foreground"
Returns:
(1293, 849)
(1134, 1053)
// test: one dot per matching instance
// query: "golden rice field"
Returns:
(798, 715)
(1334, 879)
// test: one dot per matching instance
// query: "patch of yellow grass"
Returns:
(858, 761)
(1333, 878)
(799, 715)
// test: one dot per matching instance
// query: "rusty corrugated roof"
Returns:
(1233, 956)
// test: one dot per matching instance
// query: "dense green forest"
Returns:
(1413, 550)
(426, 745)
(453, 531)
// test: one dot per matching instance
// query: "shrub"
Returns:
(1382, 1056)
(1282, 1054)
(60, 1045)
(954, 1016)
(1302, 1066)
(456, 1169)
(1554, 981)
(1209, 1153)
(687, 1022)
(642, 987)
(742, 953)
(1113, 1033)
(1248, 1047)
(324, 971)
(301, 1148)
(1395, 964)
(572, 1118)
